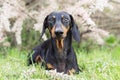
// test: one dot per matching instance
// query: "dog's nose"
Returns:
(58, 32)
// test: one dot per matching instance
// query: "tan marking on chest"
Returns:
(59, 44)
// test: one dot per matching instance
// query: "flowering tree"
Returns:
(38, 9)
(11, 9)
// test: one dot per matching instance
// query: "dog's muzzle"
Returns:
(58, 33)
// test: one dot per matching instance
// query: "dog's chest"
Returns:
(57, 60)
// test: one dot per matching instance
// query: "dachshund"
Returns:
(57, 52)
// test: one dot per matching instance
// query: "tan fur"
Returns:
(65, 30)
(49, 66)
(59, 44)
(71, 72)
(53, 31)
(38, 59)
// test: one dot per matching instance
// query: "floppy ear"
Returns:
(74, 30)
(45, 25)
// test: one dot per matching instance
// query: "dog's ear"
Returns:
(74, 29)
(45, 25)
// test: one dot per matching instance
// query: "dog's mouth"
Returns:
(59, 37)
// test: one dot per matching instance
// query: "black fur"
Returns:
(63, 59)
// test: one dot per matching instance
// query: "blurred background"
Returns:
(98, 52)
(21, 21)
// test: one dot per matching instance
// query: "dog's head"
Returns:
(59, 24)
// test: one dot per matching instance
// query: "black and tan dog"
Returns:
(57, 52)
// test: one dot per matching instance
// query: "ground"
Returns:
(98, 64)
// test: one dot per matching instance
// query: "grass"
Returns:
(98, 64)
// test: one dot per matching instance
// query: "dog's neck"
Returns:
(62, 45)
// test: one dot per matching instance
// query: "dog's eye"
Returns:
(65, 20)
(51, 20)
